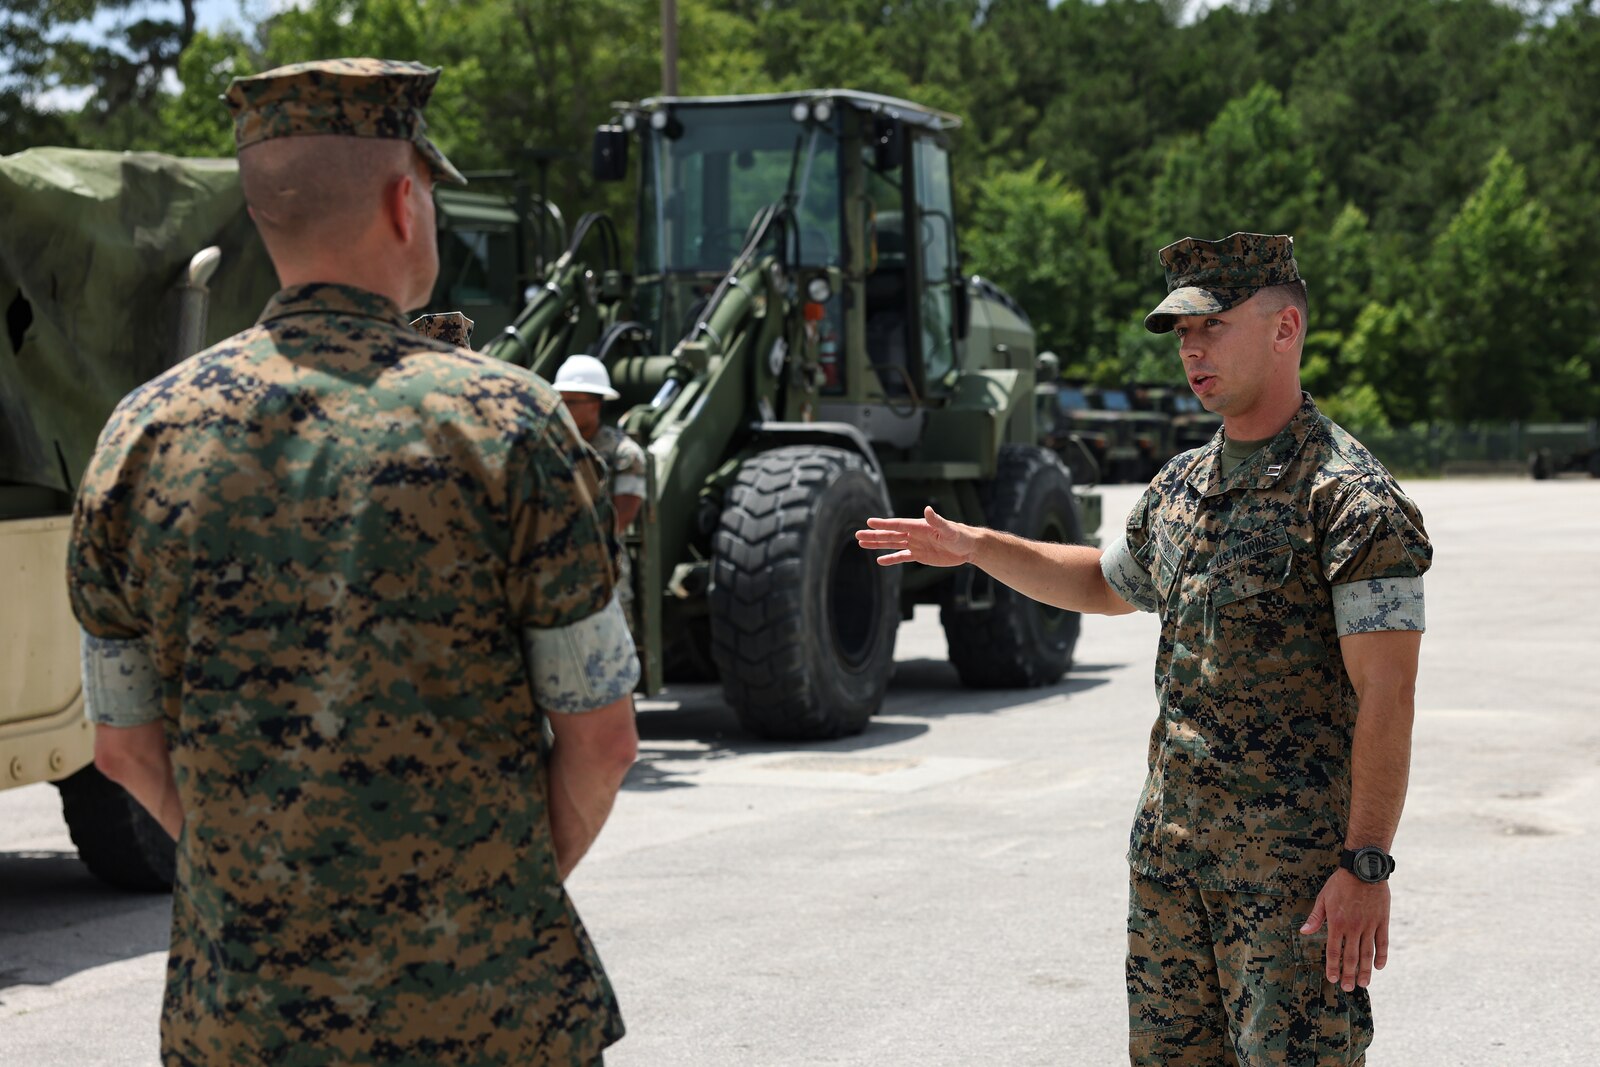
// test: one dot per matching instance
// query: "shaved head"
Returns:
(327, 188)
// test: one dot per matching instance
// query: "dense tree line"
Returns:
(1437, 160)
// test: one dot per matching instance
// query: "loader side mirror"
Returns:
(610, 154)
(888, 143)
(963, 304)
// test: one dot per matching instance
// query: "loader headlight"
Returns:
(818, 290)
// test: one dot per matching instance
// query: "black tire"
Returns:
(1539, 465)
(1594, 463)
(1018, 643)
(802, 620)
(120, 842)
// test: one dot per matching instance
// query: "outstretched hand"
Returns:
(932, 539)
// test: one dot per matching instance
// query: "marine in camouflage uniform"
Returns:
(585, 385)
(625, 476)
(1257, 568)
(1278, 569)
(348, 567)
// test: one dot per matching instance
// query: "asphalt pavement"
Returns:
(949, 887)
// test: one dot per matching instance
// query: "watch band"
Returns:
(1369, 863)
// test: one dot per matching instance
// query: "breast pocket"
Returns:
(1261, 611)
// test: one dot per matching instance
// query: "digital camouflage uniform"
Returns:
(625, 476)
(1256, 575)
(350, 567)
(451, 327)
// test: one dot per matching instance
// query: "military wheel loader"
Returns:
(797, 348)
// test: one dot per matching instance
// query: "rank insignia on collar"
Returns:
(1274, 470)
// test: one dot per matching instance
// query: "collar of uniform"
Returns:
(1262, 470)
(325, 297)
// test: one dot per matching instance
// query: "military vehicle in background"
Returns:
(797, 349)
(1556, 448)
(1192, 426)
(103, 285)
(1147, 434)
(1124, 443)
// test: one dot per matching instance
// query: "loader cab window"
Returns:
(707, 171)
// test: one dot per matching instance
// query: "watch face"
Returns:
(1370, 865)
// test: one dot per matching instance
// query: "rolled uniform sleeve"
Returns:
(561, 580)
(1126, 576)
(627, 477)
(121, 684)
(1374, 554)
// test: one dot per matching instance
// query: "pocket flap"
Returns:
(1254, 565)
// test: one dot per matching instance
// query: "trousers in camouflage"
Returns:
(1217, 979)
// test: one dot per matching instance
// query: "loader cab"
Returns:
(914, 298)
(706, 169)
(869, 181)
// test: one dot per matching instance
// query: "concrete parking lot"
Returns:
(949, 887)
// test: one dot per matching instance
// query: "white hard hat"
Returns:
(584, 374)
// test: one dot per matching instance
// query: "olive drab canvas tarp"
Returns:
(93, 249)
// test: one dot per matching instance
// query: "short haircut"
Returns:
(1278, 297)
(328, 188)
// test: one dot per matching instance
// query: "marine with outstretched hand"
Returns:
(1286, 567)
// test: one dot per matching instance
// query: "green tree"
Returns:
(1030, 232)
(1491, 289)
(193, 122)
(1250, 171)
(116, 55)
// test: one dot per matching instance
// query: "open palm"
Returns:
(932, 539)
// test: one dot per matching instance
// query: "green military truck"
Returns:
(1192, 426)
(108, 262)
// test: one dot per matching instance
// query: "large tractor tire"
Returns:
(1015, 642)
(120, 842)
(802, 620)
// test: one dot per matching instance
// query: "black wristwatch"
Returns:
(1370, 864)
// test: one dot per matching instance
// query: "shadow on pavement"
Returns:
(686, 727)
(697, 715)
(45, 894)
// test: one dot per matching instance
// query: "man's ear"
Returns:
(1291, 327)
(398, 210)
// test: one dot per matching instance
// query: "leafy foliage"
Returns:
(1435, 159)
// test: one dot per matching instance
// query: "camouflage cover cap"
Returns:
(349, 97)
(451, 327)
(1208, 276)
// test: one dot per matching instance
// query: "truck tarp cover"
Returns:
(93, 249)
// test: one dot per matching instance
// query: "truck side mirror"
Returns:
(610, 154)
(888, 143)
